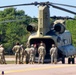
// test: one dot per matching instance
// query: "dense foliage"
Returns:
(71, 26)
(13, 27)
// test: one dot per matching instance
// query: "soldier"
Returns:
(53, 53)
(21, 54)
(26, 54)
(43, 43)
(2, 57)
(17, 49)
(42, 53)
(32, 53)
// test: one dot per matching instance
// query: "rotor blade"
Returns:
(16, 20)
(64, 5)
(60, 17)
(63, 9)
(35, 3)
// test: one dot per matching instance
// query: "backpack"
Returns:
(31, 51)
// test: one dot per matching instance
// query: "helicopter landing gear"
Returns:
(63, 60)
(71, 59)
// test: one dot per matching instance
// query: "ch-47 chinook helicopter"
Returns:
(55, 33)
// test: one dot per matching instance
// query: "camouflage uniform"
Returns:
(2, 57)
(42, 43)
(32, 53)
(53, 53)
(42, 53)
(21, 54)
(17, 49)
(26, 54)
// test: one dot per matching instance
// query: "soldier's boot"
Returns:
(32, 62)
(20, 62)
(55, 62)
(4, 63)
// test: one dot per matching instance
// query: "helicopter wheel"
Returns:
(71, 60)
(63, 60)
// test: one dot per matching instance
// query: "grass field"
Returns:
(10, 62)
(10, 59)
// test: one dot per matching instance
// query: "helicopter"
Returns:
(54, 33)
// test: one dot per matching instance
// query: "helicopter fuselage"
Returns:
(52, 34)
(62, 41)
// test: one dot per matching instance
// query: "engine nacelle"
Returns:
(59, 27)
(31, 28)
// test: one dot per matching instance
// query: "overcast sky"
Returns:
(33, 10)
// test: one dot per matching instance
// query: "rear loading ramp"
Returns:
(48, 43)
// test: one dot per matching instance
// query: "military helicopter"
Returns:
(55, 33)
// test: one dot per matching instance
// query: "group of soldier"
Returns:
(2, 56)
(28, 54)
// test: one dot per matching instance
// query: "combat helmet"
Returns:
(53, 45)
(41, 44)
(32, 45)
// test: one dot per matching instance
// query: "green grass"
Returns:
(10, 62)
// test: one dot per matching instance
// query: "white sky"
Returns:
(33, 10)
